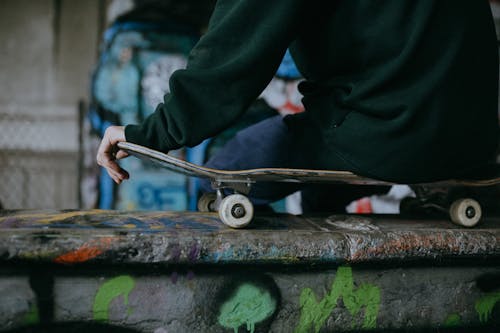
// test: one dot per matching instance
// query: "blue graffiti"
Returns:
(150, 196)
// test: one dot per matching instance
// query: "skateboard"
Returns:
(236, 211)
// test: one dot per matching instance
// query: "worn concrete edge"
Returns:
(110, 246)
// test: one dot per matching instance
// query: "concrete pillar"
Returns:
(49, 48)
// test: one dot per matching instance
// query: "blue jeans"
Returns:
(271, 144)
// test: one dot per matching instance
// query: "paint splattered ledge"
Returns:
(111, 237)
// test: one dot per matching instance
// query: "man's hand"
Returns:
(108, 153)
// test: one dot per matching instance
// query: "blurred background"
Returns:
(69, 69)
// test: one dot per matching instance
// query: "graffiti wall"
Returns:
(254, 299)
(105, 271)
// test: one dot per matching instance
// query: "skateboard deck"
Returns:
(241, 181)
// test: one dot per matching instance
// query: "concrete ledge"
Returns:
(110, 271)
(178, 237)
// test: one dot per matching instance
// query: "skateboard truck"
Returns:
(235, 210)
(462, 209)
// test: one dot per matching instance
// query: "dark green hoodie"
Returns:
(399, 90)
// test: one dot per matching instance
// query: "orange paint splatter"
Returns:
(86, 252)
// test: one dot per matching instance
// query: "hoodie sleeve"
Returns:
(227, 70)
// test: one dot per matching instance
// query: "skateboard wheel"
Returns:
(465, 212)
(206, 203)
(236, 211)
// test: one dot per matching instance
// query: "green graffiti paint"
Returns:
(314, 315)
(249, 305)
(121, 285)
(484, 306)
(453, 320)
(32, 316)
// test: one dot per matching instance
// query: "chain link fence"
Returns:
(39, 157)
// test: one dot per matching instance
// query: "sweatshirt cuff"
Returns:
(133, 134)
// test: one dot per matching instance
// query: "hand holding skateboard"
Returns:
(108, 153)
